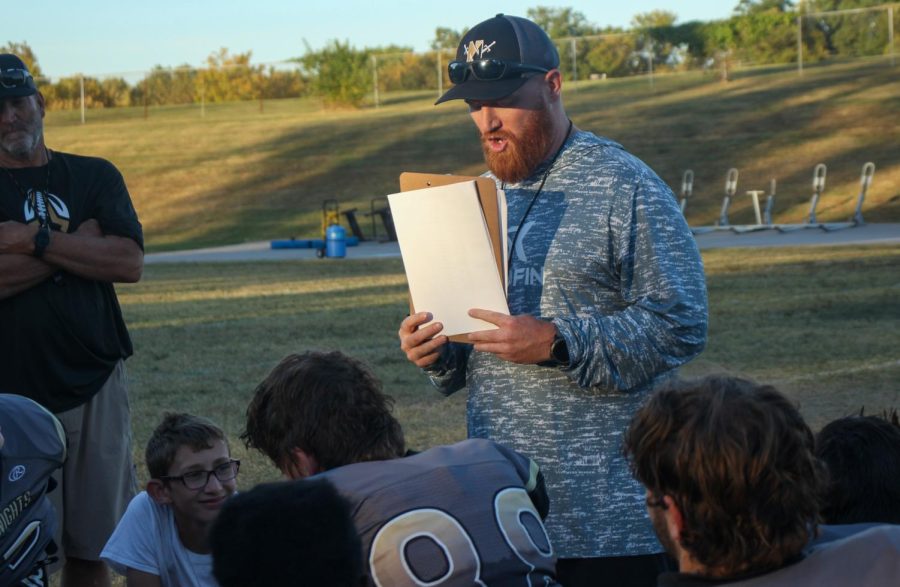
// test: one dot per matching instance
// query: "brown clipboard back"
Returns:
(487, 197)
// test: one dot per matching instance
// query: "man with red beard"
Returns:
(606, 292)
(68, 230)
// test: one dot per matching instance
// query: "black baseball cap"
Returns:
(510, 39)
(15, 79)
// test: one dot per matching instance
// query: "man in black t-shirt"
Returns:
(68, 231)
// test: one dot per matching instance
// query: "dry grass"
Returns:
(821, 323)
(240, 174)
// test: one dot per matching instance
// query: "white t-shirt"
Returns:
(146, 539)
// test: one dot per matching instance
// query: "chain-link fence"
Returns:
(344, 75)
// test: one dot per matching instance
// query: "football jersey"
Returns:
(459, 515)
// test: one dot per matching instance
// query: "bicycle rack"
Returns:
(731, 179)
(770, 203)
(818, 187)
(687, 188)
(865, 180)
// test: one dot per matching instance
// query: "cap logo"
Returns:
(17, 473)
(477, 48)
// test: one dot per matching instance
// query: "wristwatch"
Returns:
(559, 353)
(41, 240)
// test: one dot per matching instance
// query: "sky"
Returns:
(122, 37)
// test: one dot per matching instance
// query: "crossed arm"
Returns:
(87, 252)
(136, 578)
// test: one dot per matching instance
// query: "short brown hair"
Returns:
(175, 431)
(862, 454)
(326, 404)
(737, 459)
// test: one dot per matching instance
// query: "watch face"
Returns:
(560, 351)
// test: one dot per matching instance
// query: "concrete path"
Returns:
(262, 251)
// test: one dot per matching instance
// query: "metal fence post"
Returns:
(375, 78)
(81, 83)
(891, 33)
(574, 60)
(440, 73)
(799, 45)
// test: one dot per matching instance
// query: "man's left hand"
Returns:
(518, 339)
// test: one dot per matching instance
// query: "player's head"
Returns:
(288, 533)
(324, 406)
(862, 454)
(191, 467)
(732, 482)
(21, 109)
(506, 69)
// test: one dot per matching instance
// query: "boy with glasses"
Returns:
(162, 540)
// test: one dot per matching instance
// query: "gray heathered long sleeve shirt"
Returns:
(607, 255)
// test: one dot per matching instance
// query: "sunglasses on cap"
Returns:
(488, 70)
(14, 78)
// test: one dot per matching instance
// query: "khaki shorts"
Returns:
(98, 479)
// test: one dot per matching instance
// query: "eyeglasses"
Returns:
(14, 78)
(488, 70)
(199, 479)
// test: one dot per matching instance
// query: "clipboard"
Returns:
(491, 208)
(487, 197)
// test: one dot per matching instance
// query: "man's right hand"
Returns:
(16, 237)
(421, 345)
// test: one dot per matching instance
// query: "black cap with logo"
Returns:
(497, 56)
(15, 79)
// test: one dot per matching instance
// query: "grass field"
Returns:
(240, 174)
(823, 324)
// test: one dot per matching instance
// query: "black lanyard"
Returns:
(38, 199)
(512, 246)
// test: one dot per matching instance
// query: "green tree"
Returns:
(65, 94)
(407, 71)
(446, 38)
(654, 19)
(612, 55)
(339, 73)
(230, 77)
(164, 85)
(652, 38)
(850, 34)
(768, 36)
(284, 84)
(745, 7)
(561, 22)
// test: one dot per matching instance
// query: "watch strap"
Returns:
(41, 240)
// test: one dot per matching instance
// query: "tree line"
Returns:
(759, 32)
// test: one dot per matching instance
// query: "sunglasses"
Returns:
(488, 70)
(14, 78)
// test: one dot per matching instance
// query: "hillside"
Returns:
(251, 171)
